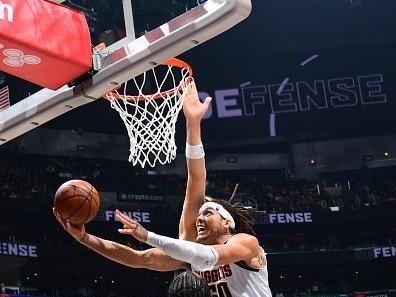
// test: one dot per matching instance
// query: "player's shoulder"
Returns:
(244, 238)
(250, 245)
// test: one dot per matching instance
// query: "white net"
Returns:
(150, 117)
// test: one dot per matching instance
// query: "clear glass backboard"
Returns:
(117, 22)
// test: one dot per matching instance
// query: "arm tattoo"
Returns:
(261, 260)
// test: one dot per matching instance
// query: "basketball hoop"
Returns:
(150, 116)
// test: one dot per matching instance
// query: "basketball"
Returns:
(78, 201)
(188, 284)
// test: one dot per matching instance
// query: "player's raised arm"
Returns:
(153, 259)
(194, 110)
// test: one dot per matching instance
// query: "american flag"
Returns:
(4, 98)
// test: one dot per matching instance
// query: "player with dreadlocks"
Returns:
(216, 237)
(226, 253)
(223, 248)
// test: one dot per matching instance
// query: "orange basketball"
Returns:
(78, 201)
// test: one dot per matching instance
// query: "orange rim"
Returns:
(170, 62)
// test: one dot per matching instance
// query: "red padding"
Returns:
(43, 42)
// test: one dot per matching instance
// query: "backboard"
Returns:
(139, 34)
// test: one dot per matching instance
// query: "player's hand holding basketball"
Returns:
(78, 232)
(193, 108)
(131, 227)
(76, 203)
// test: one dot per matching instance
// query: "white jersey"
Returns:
(237, 280)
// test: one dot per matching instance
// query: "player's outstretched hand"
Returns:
(194, 110)
(131, 227)
(78, 232)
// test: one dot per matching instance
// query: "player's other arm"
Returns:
(240, 247)
(194, 111)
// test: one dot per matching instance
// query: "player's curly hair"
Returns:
(243, 220)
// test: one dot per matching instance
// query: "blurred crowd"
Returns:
(35, 177)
